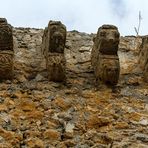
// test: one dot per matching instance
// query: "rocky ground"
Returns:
(36, 113)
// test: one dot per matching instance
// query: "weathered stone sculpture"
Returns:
(53, 45)
(104, 57)
(143, 58)
(6, 50)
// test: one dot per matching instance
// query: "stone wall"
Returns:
(36, 112)
(29, 62)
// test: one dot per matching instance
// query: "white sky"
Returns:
(81, 15)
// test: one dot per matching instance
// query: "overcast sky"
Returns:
(81, 15)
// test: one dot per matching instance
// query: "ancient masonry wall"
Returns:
(57, 55)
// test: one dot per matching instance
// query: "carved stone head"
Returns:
(3, 21)
(6, 37)
(107, 39)
(57, 36)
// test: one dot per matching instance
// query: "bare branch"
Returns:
(139, 24)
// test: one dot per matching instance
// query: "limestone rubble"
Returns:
(35, 112)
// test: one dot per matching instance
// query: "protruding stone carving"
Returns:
(53, 45)
(143, 58)
(104, 57)
(6, 50)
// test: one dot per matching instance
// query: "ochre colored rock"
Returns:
(12, 137)
(53, 44)
(95, 121)
(6, 50)
(34, 115)
(104, 57)
(52, 134)
(35, 142)
(121, 125)
(62, 103)
(26, 105)
(3, 107)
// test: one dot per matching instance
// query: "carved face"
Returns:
(109, 35)
(6, 38)
(107, 40)
(57, 38)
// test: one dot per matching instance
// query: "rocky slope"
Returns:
(36, 113)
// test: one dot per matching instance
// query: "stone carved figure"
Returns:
(53, 45)
(143, 58)
(6, 50)
(104, 57)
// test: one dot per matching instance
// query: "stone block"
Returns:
(56, 64)
(53, 44)
(6, 64)
(108, 69)
(6, 50)
(104, 57)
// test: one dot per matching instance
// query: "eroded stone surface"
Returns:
(53, 46)
(35, 112)
(104, 58)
